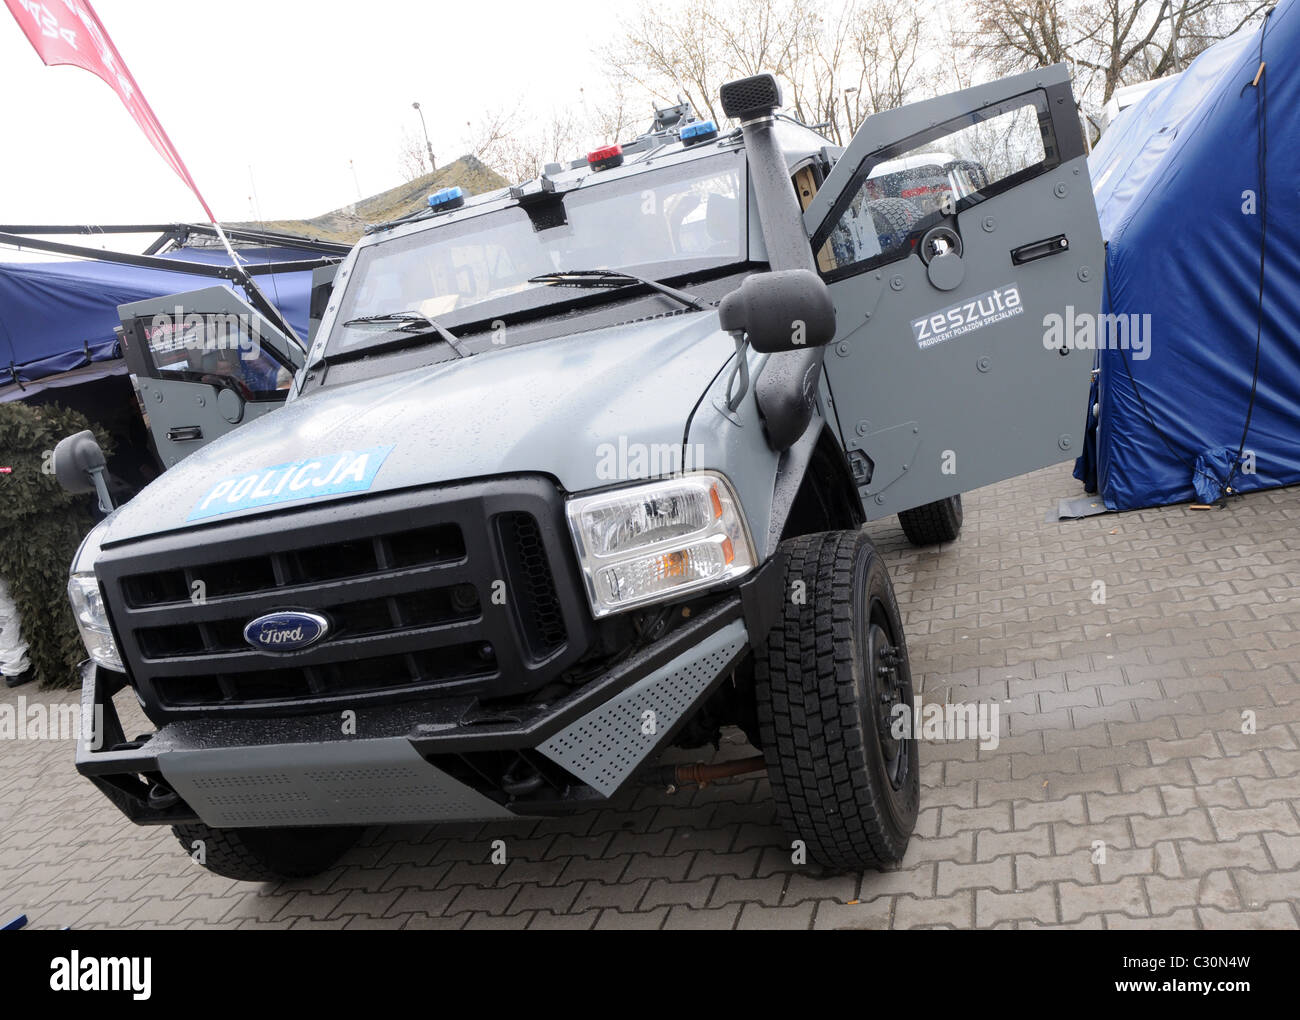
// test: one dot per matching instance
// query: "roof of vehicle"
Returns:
(652, 150)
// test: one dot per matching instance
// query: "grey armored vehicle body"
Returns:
(574, 472)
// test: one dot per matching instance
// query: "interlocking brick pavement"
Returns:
(1123, 792)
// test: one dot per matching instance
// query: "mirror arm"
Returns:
(101, 489)
(741, 368)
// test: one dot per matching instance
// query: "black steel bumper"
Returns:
(440, 759)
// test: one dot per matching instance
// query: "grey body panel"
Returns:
(348, 782)
(991, 403)
(607, 745)
(486, 415)
(735, 443)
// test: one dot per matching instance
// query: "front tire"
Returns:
(265, 855)
(835, 668)
(933, 523)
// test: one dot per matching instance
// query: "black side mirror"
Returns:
(79, 466)
(785, 310)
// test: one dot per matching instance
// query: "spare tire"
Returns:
(933, 523)
(894, 219)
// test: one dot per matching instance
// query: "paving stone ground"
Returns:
(1123, 791)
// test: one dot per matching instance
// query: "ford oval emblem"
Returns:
(285, 631)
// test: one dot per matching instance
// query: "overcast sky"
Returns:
(292, 89)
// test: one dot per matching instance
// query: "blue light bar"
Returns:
(701, 131)
(447, 198)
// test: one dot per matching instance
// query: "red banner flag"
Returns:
(70, 32)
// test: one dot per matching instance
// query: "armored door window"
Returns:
(901, 191)
(219, 349)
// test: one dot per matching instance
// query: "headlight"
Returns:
(92, 620)
(650, 543)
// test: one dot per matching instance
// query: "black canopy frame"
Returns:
(174, 235)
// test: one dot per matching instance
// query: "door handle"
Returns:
(1040, 249)
(185, 434)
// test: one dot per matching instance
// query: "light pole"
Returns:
(428, 144)
(848, 116)
(355, 181)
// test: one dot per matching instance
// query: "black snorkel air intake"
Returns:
(787, 388)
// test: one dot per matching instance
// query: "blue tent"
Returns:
(1191, 199)
(59, 316)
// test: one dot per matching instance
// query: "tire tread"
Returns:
(933, 523)
(812, 732)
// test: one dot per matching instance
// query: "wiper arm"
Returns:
(399, 320)
(420, 327)
(608, 278)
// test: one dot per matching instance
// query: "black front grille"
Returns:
(540, 616)
(452, 667)
(362, 618)
(355, 557)
(410, 584)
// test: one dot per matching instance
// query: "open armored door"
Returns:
(961, 245)
(203, 363)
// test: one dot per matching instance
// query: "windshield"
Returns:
(658, 224)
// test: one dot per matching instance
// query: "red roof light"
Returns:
(606, 157)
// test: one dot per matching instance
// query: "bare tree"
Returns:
(622, 113)
(781, 36)
(664, 52)
(838, 62)
(517, 143)
(485, 136)
(861, 58)
(1108, 43)
(412, 157)
(886, 44)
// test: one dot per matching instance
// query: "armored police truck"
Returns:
(576, 471)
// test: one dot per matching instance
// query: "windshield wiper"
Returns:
(416, 325)
(402, 320)
(608, 278)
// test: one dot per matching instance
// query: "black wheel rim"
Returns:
(889, 685)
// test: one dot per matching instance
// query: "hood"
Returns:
(561, 407)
